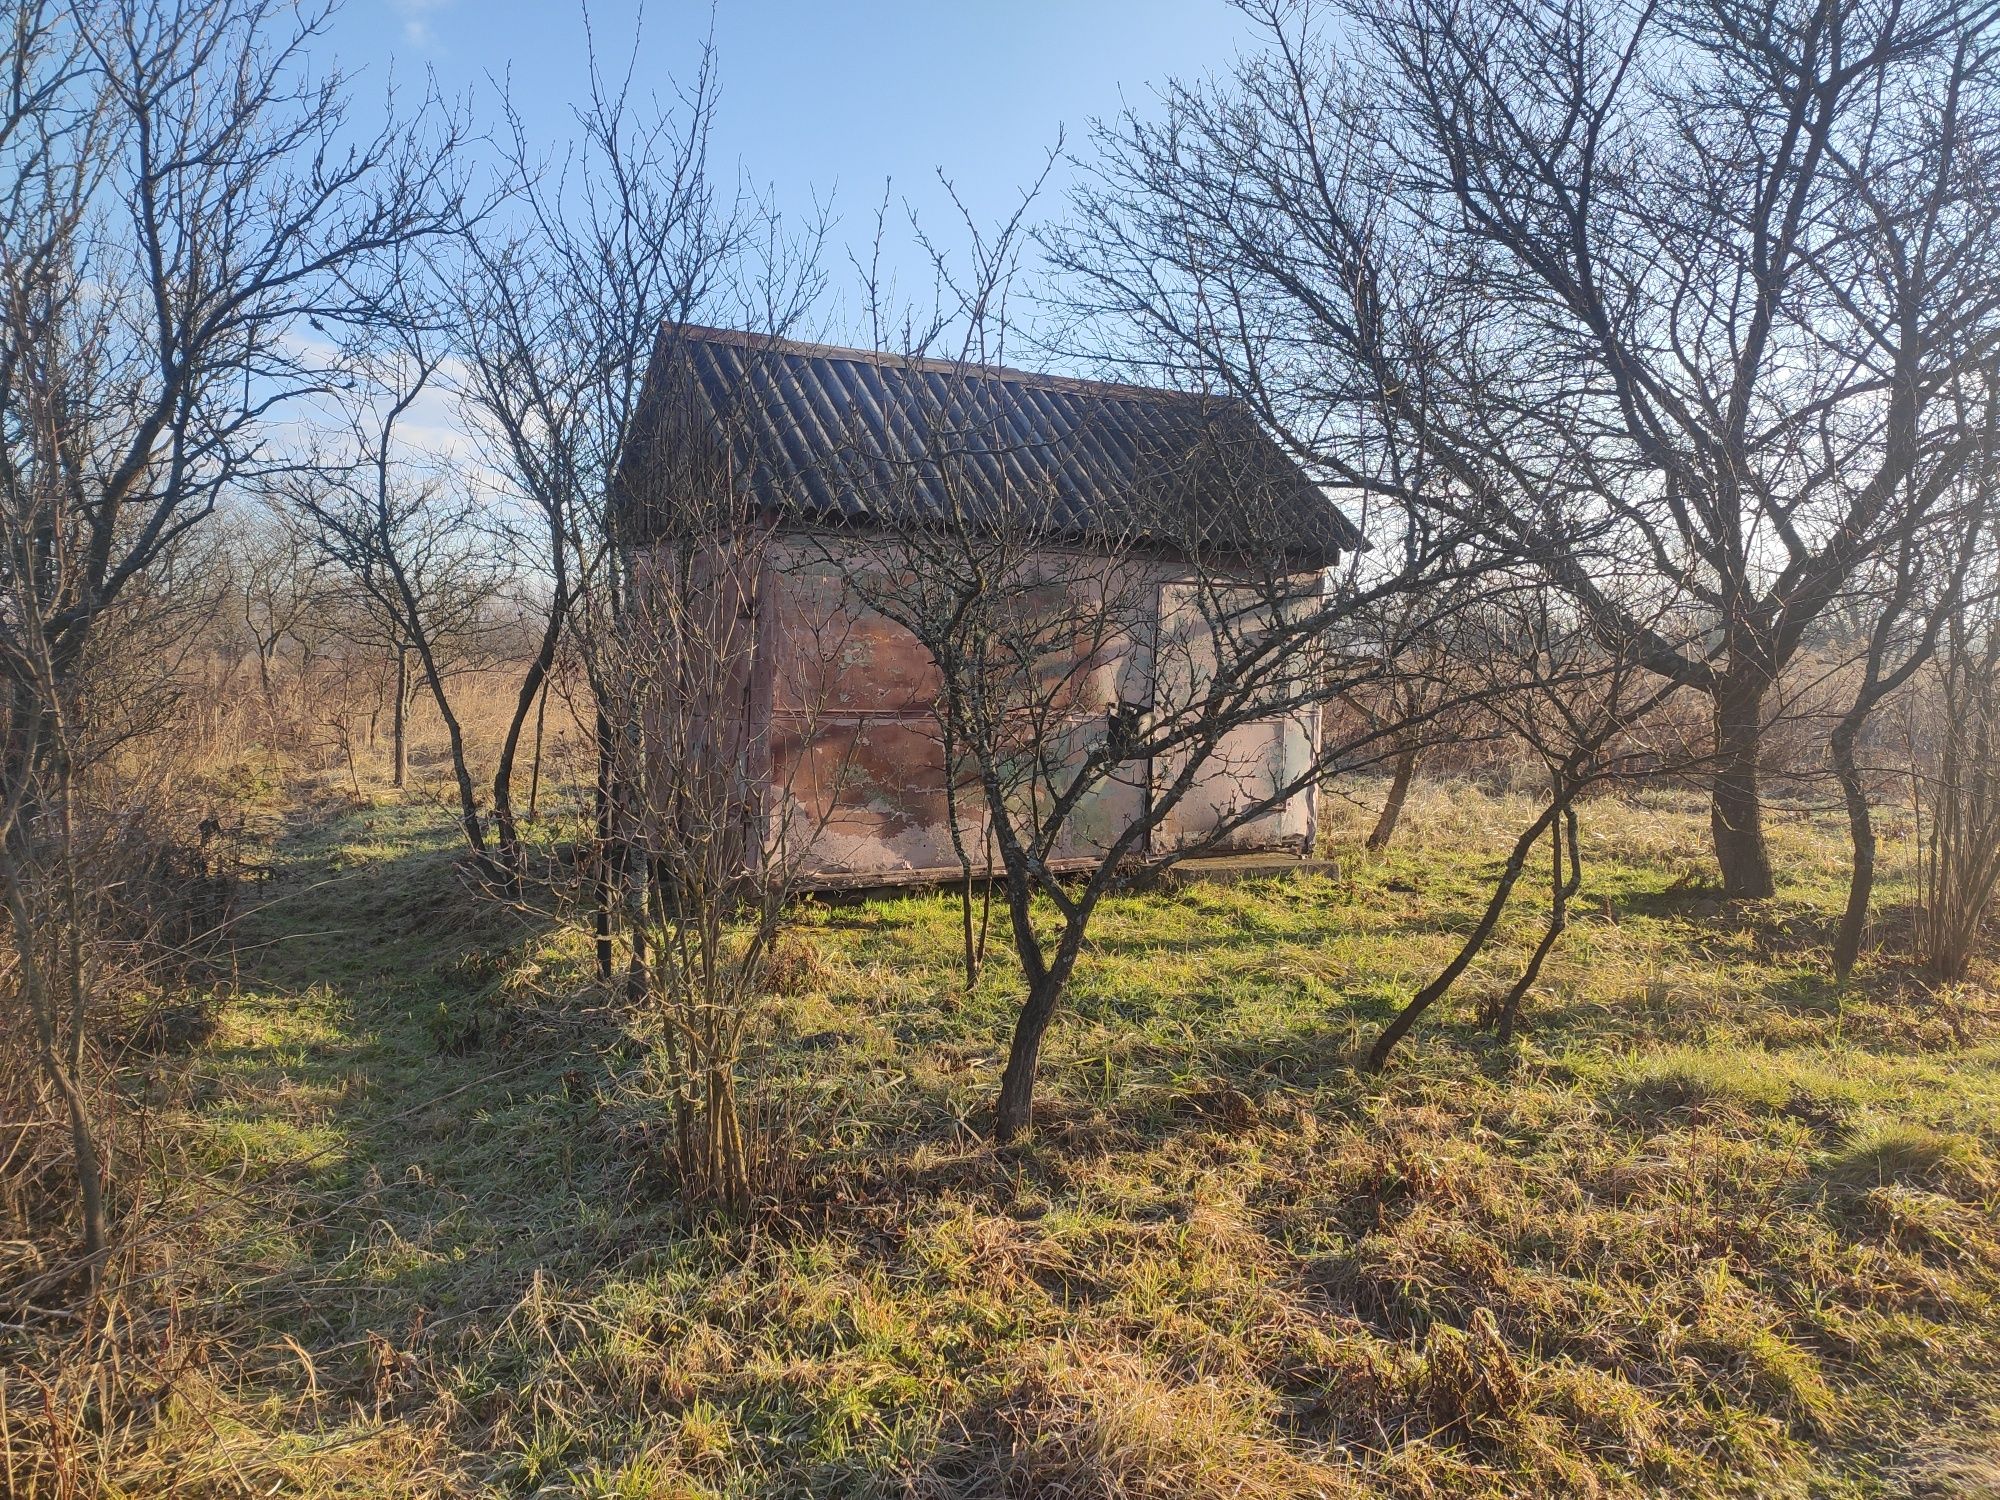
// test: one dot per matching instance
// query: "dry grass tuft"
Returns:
(1691, 1078)
(1470, 1381)
(1102, 1424)
(1889, 1153)
(797, 965)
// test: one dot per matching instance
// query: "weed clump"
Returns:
(1903, 1152)
(1692, 1078)
(1470, 1379)
(796, 965)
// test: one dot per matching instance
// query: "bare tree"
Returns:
(1557, 693)
(711, 676)
(1139, 684)
(1120, 701)
(1708, 276)
(1958, 853)
(184, 195)
(625, 234)
(416, 548)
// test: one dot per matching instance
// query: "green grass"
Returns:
(1710, 1226)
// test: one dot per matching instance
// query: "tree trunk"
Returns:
(532, 684)
(399, 730)
(1736, 814)
(89, 1175)
(266, 686)
(637, 978)
(1017, 1085)
(535, 767)
(606, 848)
(1392, 810)
(965, 931)
(468, 800)
(1861, 832)
(1517, 859)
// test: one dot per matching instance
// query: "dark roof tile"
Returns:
(845, 435)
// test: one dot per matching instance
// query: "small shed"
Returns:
(835, 451)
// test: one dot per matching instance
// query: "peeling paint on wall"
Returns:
(854, 748)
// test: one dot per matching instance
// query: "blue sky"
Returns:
(832, 97)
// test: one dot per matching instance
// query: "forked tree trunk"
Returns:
(1047, 980)
(1430, 994)
(533, 684)
(1399, 792)
(1562, 840)
(1736, 812)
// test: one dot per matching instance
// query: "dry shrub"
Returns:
(89, 1363)
(1470, 1382)
(82, 1385)
(164, 878)
(1958, 804)
(796, 965)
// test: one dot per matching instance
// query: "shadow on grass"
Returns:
(409, 1119)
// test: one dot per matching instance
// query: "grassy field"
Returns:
(1710, 1226)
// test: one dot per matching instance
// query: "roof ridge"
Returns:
(886, 359)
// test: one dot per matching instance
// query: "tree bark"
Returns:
(1014, 1111)
(532, 683)
(1861, 832)
(1736, 812)
(1517, 859)
(1392, 810)
(399, 731)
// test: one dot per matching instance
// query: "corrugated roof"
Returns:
(856, 437)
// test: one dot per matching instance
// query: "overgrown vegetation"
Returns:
(1710, 1225)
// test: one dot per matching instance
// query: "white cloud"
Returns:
(417, 14)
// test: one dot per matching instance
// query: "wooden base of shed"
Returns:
(1139, 875)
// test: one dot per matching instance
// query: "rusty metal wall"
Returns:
(855, 762)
